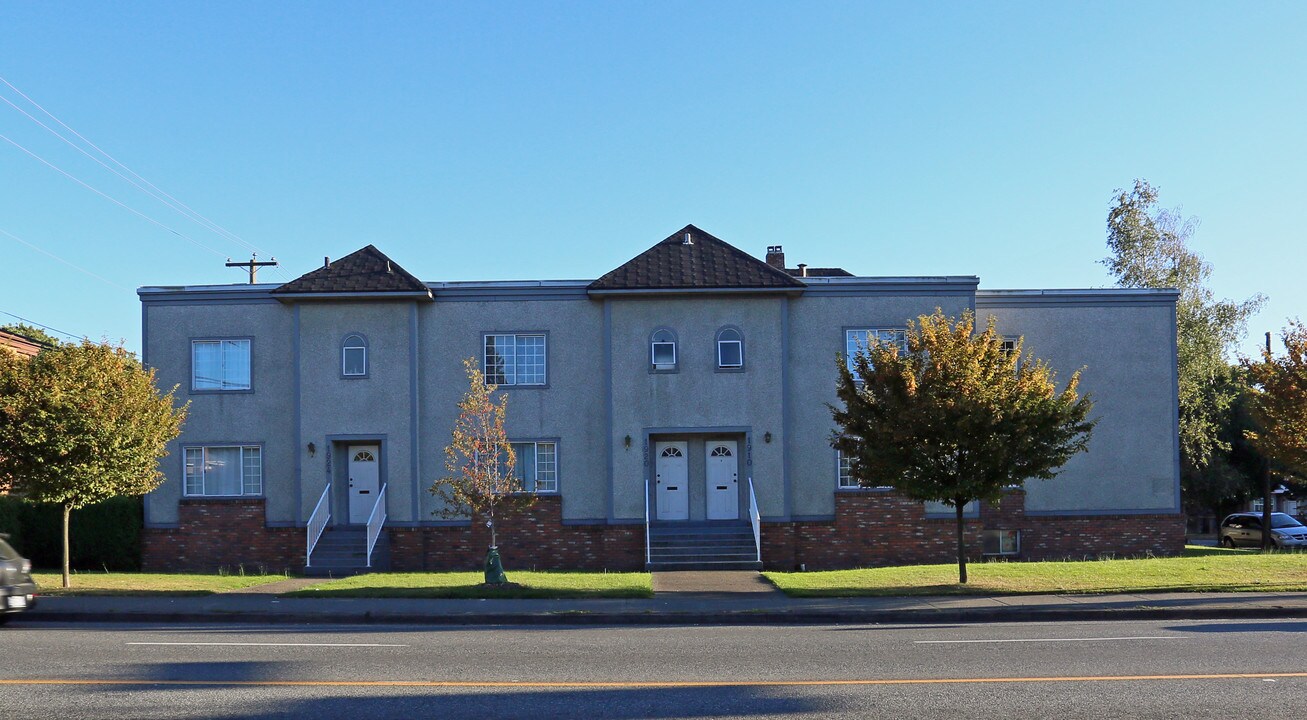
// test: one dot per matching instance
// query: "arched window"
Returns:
(354, 356)
(662, 349)
(730, 349)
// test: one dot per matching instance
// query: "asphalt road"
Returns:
(1182, 669)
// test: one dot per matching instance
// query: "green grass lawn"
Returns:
(469, 585)
(1200, 569)
(129, 583)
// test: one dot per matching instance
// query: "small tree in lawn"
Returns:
(1278, 401)
(81, 423)
(955, 418)
(480, 462)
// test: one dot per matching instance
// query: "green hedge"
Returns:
(103, 536)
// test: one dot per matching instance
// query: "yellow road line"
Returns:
(636, 684)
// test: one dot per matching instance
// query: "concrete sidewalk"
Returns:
(668, 609)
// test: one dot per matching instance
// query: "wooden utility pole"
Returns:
(252, 265)
(1266, 481)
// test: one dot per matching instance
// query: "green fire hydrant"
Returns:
(494, 568)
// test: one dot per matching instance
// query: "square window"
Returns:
(730, 353)
(537, 466)
(220, 365)
(855, 340)
(355, 361)
(515, 359)
(1001, 542)
(664, 355)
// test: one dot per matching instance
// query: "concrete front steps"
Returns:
(702, 545)
(342, 551)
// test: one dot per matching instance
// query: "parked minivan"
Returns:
(1245, 530)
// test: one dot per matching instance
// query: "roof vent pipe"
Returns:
(326, 261)
(688, 240)
(803, 270)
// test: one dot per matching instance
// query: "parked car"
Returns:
(1245, 529)
(17, 590)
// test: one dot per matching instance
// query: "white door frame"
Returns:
(671, 479)
(721, 479)
(364, 480)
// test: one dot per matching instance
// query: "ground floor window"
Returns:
(224, 471)
(537, 466)
(1002, 542)
(844, 476)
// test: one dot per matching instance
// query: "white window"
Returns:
(224, 471)
(1008, 345)
(220, 364)
(662, 349)
(517, 359)
(855, 340)
(1001, 542)
(844, 475)
(730, 349)
(537, 466)
(354, 357)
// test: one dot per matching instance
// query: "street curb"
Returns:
(930, 616)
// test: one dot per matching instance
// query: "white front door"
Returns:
(364, 482)
(671, 471)
(723, 480)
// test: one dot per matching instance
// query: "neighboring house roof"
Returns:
(702, 263)
(366, 272)
(21, 344)
(806, 271)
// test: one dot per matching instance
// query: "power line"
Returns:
(56, 257)
(43, 327)
(106, 196)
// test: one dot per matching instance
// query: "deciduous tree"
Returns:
(81, 423)
(954, 417)
(1278, 401)
(480, 461)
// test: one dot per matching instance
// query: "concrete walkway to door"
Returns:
(712, 583)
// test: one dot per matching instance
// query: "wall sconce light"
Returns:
(313, 449)
(627, 441)
(766, 437)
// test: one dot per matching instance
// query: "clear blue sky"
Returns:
(557, 140)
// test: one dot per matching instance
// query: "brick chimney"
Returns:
(776, 257)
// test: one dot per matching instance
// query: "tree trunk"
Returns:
(68, 512)
(494, 538)
(962, 545)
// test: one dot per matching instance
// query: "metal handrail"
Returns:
(756, 520)
(648, 555)
(317, 524)
(374, 523)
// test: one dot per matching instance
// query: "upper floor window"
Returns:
(537, 466)
(354, 356)
(224, 471)
(855, 340)
(730, 349)
(515, 359)
(662, 349)
(220, 364)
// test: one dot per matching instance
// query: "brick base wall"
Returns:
(874, 529)
(870, 529)
(535, 538)
(222, 534)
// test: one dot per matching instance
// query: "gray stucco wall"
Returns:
(262, 416)
(697, 401)
(818, 325)
(569, 410)
(1127, 350)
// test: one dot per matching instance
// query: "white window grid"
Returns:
(515, 359)
(196, 460)
(860, 339)
(357, 351)
(844, 474)
(545, 456)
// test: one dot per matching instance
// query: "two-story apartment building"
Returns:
(680, 398)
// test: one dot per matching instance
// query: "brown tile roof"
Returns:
(367, 270)
(21, 344)
(818, 272)
(703, 264)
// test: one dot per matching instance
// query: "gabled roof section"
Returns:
(703, 264)
(364, 273)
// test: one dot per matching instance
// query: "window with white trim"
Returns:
(662, 349)
(860, 339)
(354, 357)
(730, 349)
(844, 475)
(515, 359)
(223, 471)
(220, 365)
(537, 466)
